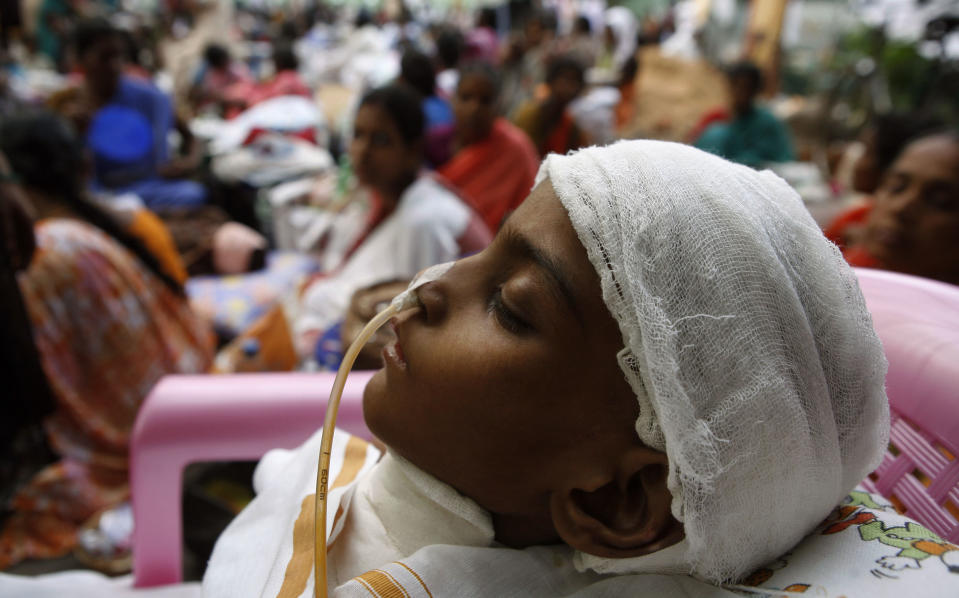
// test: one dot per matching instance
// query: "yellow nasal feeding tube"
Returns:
(406, 300)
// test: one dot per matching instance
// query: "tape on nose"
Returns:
(408, 298)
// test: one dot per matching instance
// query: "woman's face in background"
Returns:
(380, 157)
(474, 107)
(914, 226)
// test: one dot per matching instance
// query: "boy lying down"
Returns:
(660, 379)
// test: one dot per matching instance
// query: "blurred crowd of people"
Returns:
(164, 195)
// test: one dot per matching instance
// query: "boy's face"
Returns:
(505, 383)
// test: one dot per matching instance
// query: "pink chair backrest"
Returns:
(918, 323)
(187, 419)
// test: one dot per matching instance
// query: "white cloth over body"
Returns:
(395, 530)
(389, 512)
(423, 230)
(747, 343)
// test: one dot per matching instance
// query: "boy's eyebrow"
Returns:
(518, 244)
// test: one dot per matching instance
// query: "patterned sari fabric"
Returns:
(106, 330)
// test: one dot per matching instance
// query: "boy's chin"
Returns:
(377, 410)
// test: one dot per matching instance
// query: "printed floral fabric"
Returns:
(864, 548)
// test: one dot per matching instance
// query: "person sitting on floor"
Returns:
(416, 70)
(126, 123)
(549, 122)
(581, 44)
(660, 379)
(449, 50)
(220, 83)
(286, 80)
(482, 42)
(754, 136)
(108, 322)
(415, 220)
(490, 160)
(128, 139)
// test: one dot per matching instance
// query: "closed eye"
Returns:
(506, 317)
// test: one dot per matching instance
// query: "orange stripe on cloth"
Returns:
(394, 580)
(300, 565)
(353, 461)
(418, 578)
(381, 584)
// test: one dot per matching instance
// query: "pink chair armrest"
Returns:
(188, 419)
(918, 322)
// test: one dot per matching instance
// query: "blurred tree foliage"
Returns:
(905, 72)
(866, 73)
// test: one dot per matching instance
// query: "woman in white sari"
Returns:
(413, 220)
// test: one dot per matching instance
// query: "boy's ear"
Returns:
(624, 515)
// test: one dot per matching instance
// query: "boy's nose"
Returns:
(433, 298)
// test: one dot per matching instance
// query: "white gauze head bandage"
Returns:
(747, 343)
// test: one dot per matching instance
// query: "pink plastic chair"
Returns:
(197, 418)
(187, 419)
(918, 323)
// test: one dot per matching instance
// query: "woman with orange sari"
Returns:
(108, 322)
(493, 162)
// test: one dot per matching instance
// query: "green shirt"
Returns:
(753, 139)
